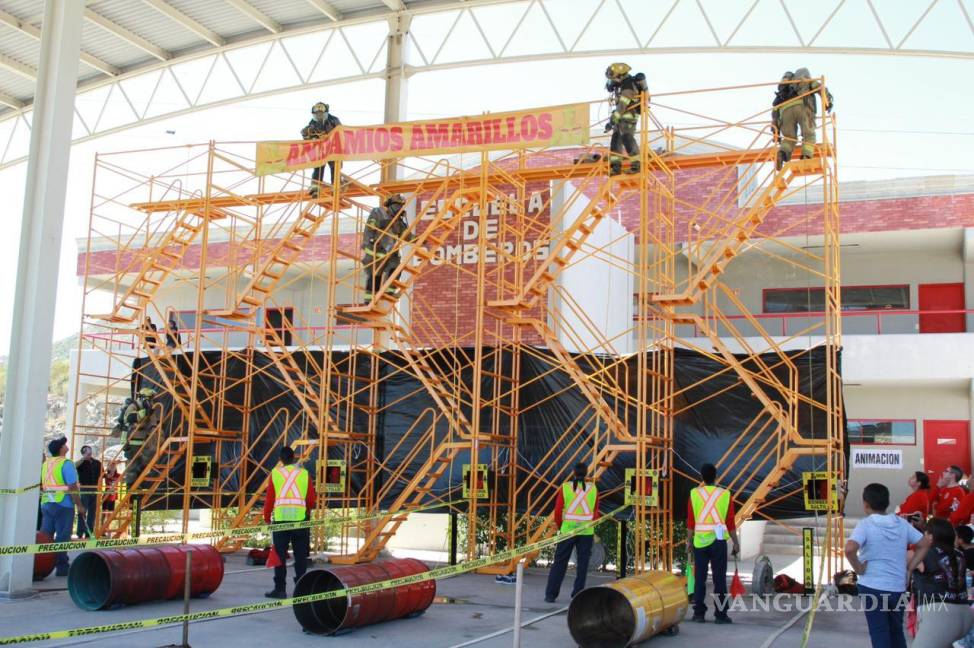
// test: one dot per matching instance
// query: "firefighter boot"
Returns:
(634, 166)
(615, 167)
(780, 161)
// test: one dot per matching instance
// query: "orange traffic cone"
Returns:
(737, 587)
(273, 560)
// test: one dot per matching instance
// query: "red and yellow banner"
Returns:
(566, 125)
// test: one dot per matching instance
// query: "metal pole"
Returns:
(623, 549)
(453, 538)
(518, 591)
(186, 584)
(138, 515)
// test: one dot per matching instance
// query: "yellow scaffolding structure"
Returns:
(203, 227)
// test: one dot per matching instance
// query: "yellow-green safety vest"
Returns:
(579, 507)
(290, 493)
(53, 487)
(710, 504)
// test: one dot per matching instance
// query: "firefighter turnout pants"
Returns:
(794, 117)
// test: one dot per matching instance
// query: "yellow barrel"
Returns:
(625, 612)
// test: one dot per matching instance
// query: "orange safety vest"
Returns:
(290, 493)
(52, 480)
(710, 504)
(579, 507)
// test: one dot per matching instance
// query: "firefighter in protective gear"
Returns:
(384, 229)
(139, 425)
(577, 503)
(290, 498)
(794, 107)
(626, 90)
(60, 495)
(710, 519)
(322, 122)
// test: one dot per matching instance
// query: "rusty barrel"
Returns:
(626, 611)
(109, 577)
(331, 616)
(44, 563)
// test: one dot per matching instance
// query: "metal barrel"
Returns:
(109, 577)
(44, 563)
(334, 615)
(626, 611)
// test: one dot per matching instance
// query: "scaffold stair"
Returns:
(158, 263)
(716, 260)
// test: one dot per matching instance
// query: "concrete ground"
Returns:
(469, 607)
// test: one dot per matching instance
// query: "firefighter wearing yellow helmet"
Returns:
(626, 90)
(385, 229)
(322, 122)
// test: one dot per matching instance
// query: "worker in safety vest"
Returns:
(290, 498)
(576, 504)
(59, 496)
(710, 519)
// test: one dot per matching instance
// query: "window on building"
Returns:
(880, 432)
(854, 298)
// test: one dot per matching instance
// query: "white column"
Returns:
(28, 370)
(395, 99)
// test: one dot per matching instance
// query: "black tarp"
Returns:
(714, 411)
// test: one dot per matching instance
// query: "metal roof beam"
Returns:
(25, 28)
(17, 67)
(183, 20)
(327, 9)
(255, 14)
(7, 100)
(395, 5)
(132, 39)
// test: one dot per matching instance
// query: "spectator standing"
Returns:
(111, 480)
(876, 550)
(89, 476)
(939, 585)
(172, 332)
(290, 498)
(916, 507)
(59, 496)
(949, 493)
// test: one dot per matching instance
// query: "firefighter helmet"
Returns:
(617, 71)
(395, 199)
(319, 107)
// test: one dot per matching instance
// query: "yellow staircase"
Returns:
(563, 249)
(717, 258)
(158, 263)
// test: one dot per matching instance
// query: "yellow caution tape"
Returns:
(18, 491)
(170, 538)
(434, 574)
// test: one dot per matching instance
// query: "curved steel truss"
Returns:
(452, 34)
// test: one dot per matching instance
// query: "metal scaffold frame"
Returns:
(203, 226)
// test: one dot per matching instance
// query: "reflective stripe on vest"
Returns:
(579, 507)
(290, 493)
(52, 480)
(710, 505)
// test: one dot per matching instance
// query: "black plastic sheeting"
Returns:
(713, 415)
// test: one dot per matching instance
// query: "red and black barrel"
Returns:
(109, 577)
(331, 616)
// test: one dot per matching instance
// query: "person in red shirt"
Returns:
(583, 508)
(916, 507)
(949, 493)
(290, 498)
(964, 512)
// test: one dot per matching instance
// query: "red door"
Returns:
(942, 297)
(946, 443)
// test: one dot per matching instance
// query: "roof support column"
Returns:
(21, 441)
(395, 103)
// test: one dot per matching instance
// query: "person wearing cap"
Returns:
(290, 497)
(59, 496)
(385, 228)
(576, 505)
(89, 475)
